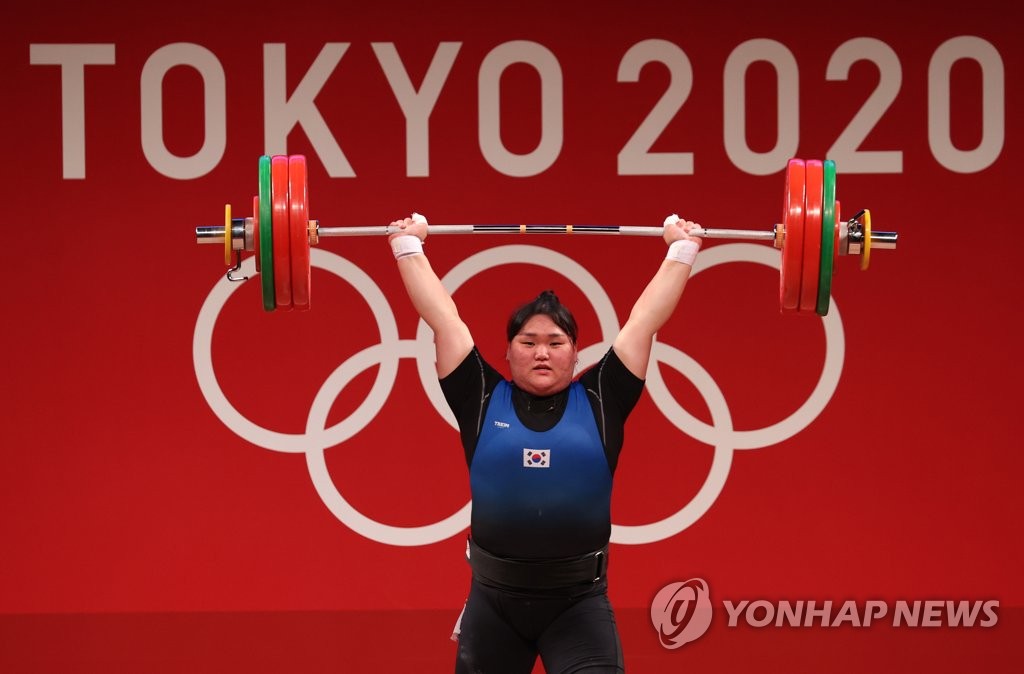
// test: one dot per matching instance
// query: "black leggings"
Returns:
(503, 632)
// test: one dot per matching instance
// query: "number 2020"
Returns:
(636, 157)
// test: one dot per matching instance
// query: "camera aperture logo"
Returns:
(681, 612)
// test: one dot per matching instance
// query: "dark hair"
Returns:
(546, 303)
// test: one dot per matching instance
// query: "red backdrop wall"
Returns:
(169, 500)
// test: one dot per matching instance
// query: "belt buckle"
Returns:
(601, 565)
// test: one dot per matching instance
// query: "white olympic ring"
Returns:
(317, 438)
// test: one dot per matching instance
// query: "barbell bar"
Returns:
(811, 236)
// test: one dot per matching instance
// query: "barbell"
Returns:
(811, 236)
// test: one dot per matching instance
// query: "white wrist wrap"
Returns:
(406, 245)
(684, 251)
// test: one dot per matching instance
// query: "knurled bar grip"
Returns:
(628, 230)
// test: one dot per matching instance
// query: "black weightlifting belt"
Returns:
(544, 574)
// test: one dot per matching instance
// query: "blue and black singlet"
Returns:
(556, 504)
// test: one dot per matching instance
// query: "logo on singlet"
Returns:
(536, 458)
(501, 424)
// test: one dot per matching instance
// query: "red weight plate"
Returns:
(813, 197)
(298, 223)
(282, 238)
(793, 237)
(256, 230)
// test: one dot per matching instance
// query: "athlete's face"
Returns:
(542, 357)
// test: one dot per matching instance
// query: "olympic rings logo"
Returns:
(318, 438)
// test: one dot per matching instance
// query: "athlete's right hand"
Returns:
(416, 225)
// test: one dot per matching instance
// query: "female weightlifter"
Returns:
(541, 450)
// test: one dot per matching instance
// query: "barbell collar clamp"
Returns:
(880, 240)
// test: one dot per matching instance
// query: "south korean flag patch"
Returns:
(536, 458)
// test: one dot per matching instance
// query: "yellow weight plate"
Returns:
(865, 248)
(227, 234)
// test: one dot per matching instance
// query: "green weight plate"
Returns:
(266, 236)
(828, 238)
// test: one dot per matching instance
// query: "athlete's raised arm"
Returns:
(659, 299)
(452, 339)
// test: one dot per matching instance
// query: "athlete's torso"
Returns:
(540, 494)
